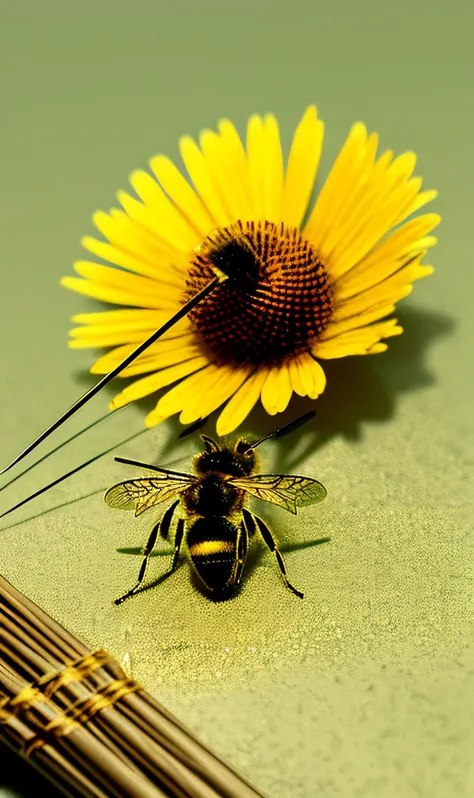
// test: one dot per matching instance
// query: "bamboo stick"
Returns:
(76, 716)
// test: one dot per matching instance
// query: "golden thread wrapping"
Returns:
(27, 700)
(58, 727)
(53, 690)
(41, 693)
(77, 671)
(103, 699)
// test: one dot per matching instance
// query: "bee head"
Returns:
(244, 452)
(239, 461)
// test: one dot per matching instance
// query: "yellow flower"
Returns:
(310, 286)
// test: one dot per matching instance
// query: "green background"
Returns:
(365, 688)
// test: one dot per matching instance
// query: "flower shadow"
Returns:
(360, 390)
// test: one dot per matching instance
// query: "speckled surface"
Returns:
(365, 687)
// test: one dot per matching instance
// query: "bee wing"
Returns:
(286, 490)
(141, 494)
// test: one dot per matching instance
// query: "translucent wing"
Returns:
(141, 494)
(286, 490)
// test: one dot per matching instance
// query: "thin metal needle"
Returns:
(71, 473)
(115, 371)
(59, 447)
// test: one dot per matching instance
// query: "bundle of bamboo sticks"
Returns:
(75, 715)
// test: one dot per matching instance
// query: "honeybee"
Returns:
(218, 526)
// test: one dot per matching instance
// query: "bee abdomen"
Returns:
(211, 548)
(212, 544)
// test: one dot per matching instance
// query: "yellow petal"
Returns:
(356, 320)
(284, 389)
(303, 364)
(345, 170)
(241, 403)
(112, 359)
(144, 321)
(374, 221)
(97, 337)
(199, 172)
(351, 198)
(395, 287)
(421, 199)
(306, 376)
(225, 157)
(137, 319)
(101, 292)
(388, 256)
(273, 171)
(131, 331)
(295, 377)
(315, 378)
(234, 152)
(183, 196)
(179, 354)
(270, 390)
(302, 167)
(276, 390)
(177, 398)
(197, 403)
(377, 348)
(356, 342)
(141, 291)
(154, 382)
(358, 199)
(159, 218)
(222, 382)
(130, 237)
(159, 269)
(373, 187)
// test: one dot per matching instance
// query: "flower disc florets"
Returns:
(277, 300)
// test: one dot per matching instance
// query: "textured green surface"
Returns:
(365, 688)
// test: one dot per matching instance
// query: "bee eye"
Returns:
(242, 447)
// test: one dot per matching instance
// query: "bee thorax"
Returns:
(212, 496)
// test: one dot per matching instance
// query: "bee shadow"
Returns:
(254, 556)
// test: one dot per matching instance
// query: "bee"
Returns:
(217, 523)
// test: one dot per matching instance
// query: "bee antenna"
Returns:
(152, 467)
(210, 444)
(281, 431)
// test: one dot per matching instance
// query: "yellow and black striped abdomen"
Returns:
(217, 547)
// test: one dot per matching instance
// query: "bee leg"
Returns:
(166, 520)
(271, 543)
(249, 522)
(162, 526)
(241, 550)
(178, 539)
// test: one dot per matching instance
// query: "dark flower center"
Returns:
(277, 298)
